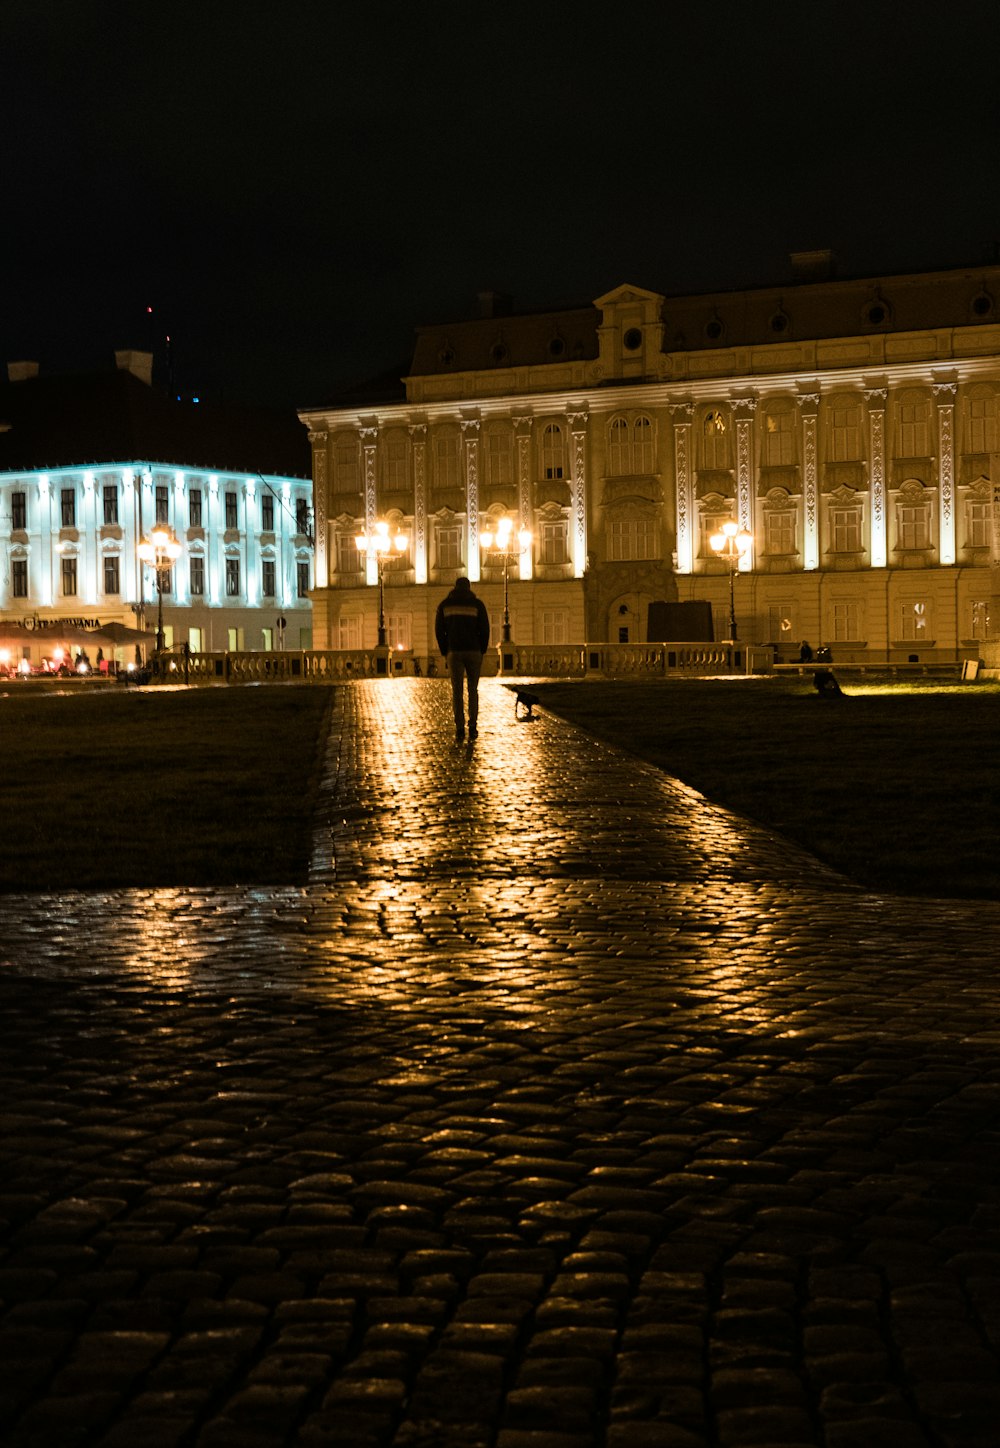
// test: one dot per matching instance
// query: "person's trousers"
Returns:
(465, 664)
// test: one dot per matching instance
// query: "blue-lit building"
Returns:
(91, 464)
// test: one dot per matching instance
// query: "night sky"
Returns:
(294, 187)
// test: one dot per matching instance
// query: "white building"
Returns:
(91, 465)
(852, 427)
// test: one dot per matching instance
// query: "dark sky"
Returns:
(294, 187)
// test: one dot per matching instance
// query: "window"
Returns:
(847, 621)
(779, 439)
(302, 517)
(913, 621)
(979, 609)
(398, 631)
(194, 508)
(642, 449)
(346, 476)
(449, 546)
(780, 532)
(914, 429)
(232, 513)
(267, 575)
(19, 511)
(982, 425)
(447, 461)
(618, 447)
(110, 504)
(555, 626)
(68, 507)
(845, 529)
(553, 453)
(632, 538)
(979, 524)
(630, 447)
(781, 623)
(19, 577)
(395, 464)
(69, 577)
(232, 578)
(913, 527)
(499, 460)
(196, 576)
(162, 503)
(349, 631)
(845, 432)
(348, 554)
(554, 548)
(302, 579)
(112, 583)
(715, 444)
(267, 513)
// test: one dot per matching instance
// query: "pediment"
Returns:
(626, 295)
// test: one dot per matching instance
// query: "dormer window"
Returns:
(632, 339)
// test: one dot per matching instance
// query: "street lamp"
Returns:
(161, 551)
(380, 543)
(731, 543)
(500, 547)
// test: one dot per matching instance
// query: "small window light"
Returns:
(556, 347)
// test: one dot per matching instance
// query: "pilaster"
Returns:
(809, 409)
(875, 397)
(470, 435)
(522, 438)
(369, 445)
(320, 442)
(743, 410)
(418, 442)
(945, 394)
(683, 415)
(578, 422)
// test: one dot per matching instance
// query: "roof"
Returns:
(94, 419)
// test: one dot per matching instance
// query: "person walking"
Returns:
(462, 629)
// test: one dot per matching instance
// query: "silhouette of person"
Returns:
(462, 630)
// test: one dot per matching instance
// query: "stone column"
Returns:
(687, 521)
(809, 408)
(875, 397)
(418, 440)
(470, 436)
(180, 575)
(251, 582)
(945, 394)
(89, 547)
(578, 423)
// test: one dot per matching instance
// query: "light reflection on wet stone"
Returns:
(552, 1072)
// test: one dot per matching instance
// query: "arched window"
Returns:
(346, 474)
(618, 447)
(644, 449)
(499, 459)
(447, 460)
(981, 420)
(779, 439)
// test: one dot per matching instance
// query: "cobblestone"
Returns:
(560, 1109)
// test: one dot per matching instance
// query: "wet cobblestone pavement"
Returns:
(560, 1110)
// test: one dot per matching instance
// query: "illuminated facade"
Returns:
(90, 466)
(851, 427)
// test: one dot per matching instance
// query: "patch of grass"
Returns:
(158, 787)
(895, 784)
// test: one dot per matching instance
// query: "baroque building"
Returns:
(90, 465)
(849, 426)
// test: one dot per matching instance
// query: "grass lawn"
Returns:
(157, 787)
(897, 785)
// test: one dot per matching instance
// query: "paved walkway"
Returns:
(561, 1110)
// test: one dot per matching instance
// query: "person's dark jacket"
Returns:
(462, 624)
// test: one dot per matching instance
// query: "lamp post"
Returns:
(500, 546)
(382, 545)
(161, 551)
(731, 543)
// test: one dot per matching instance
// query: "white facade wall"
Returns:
(71, 537)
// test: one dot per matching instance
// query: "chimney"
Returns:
(812, 266)
(494, 304)
(21, 371)
(140, 364)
